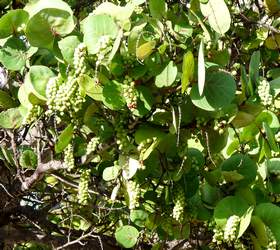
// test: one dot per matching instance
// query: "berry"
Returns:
(133, 191)
(231, 228)
(264, 93)
(92, 145)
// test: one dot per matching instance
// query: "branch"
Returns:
(40, 172)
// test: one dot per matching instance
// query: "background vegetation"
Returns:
(139, 124)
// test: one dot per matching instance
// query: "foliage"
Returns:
(134, 123)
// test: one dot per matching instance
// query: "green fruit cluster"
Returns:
(83, 194)
(272, 243)
(218, 236)
(105, 45)
(179, 203)
(121, 135)
(264, 93)
(92, 145)
(220, 126)
(130, 93)
(79, 59)
(133, 191)
(33, 113)
(69, 157)
(231, 228)
(65, 97)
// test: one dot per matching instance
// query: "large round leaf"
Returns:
(96, 26)
(270, 215)
(113, 97)
(219, 91)
(43, 27)
(241, 165)
(36, 81)
(167, 76)
(13, 54)
(231, 205)
(67, 47)
(12, 22)
(127, 236)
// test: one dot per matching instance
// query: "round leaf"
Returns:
(127, 236)
(219, 91)
(231, 205)
(28, 159)
(167, 76)
(110, 173)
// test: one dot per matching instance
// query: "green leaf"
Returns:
(64, 139)
(145, 101)
(270, 215)
(47, 24)
(13, 54)
(230, 205)
(139, 217)
(28, 159)
(243, 165)
(145, 50)
(127, 236)
(91, 87)
(67, 47)
(201, 68)
(113, 97)
(12, 22)
(218, 15)
(6, 100)
(36, 81)
(245, 221)
(158, 8)
(96, 26)
(270, 137)
(10, 118)
(254, 68)
(167, 76)
(187, 70)
(219, 91)
(110, 173)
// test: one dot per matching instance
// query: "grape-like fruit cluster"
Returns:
(220, 126)
(79, 59)
(133, 191)
(277, 137)
(92, 145)
(121, 134)
(272, 243)
(218, 236)
(83, 194)
(69, 157)
(179, 203)
(130, 93)
(238, 245)
(264, 93)
(33, 113)
(200, 122)
(104, 45)
(195, 163)
(231, 228)
(64, 97)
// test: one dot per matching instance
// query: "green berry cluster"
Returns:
(272, 243)
(92, 145)
(33, 113)
(83, 194)
(138, 9)
(69, 157)
(264, 93)
(104, 45)
(238, 245)
(130, 93)
(220, 126)
(133, 191)
(64, 97)
(79, 59)
(179, 203)
(277, 137)
(195, 163)
(231, 228)
(218, 236)
(143, 146)
(121, 134)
